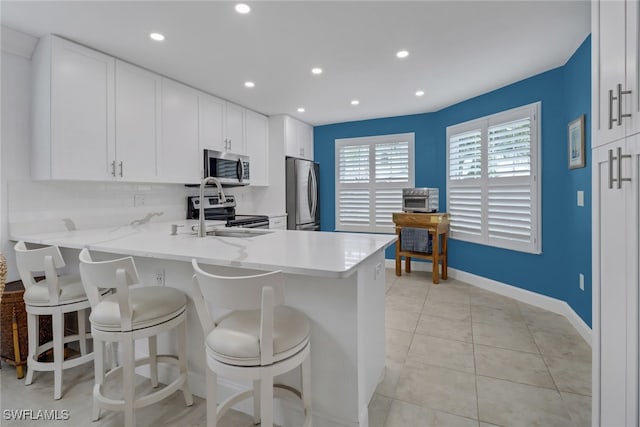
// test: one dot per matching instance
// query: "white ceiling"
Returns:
(458, 49)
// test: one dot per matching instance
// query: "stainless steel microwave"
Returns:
(231, 169)
(420, 199)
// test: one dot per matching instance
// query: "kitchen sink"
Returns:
(242, 233)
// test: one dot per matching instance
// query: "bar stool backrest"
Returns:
(46, 260)
(116, 274)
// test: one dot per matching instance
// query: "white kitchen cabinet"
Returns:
(615, 78)
(615, 282)
(234, 128)
(257, 143)
(179, 157)
(616, 217)
(73, 112)
(211, 123)
(278, 222)
(298, 138)
(137, 112)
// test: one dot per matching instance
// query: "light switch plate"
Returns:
(580, 198)
(581, 282)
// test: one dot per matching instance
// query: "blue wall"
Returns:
(565, 93)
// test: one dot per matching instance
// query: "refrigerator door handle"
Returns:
(309, 191)
(315, 192)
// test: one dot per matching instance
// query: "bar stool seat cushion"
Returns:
(71, 290)
(151, 305)
(236, 338)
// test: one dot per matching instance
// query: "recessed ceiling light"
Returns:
(420, 93)
(243, 8)
(355, 102)
(156, 36)
(316, 70)
(249, 84)
(300, 110)
(402, 53)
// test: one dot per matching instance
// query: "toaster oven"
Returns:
(420, 200)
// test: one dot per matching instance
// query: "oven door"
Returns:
(415, 203)
(231, 169)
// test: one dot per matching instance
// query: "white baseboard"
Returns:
(547, 303)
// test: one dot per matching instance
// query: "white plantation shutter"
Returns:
(370, 175)
(492, 180)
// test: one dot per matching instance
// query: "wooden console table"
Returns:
(437, 225)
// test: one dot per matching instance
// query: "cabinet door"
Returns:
(306, 141)
(256, 127)
(82, 106)
(179, 152)
(632, 100)
(292, 147)
(615, 303)
(211, 123)
(608, 69)
(235, 128)
(137, 122)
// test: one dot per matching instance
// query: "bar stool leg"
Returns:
(58, 352)
(212, 398)
(266, 398)
(153, 359)
(98, 351)
(82, 330)
(128, 381)
(32, 332)
(182, 359)
(256, 401)
(306, 386)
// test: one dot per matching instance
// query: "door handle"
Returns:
(121, 168)
(113, 168)
(617, 158)
(619, 98)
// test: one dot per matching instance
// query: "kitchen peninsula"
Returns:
(336, 279)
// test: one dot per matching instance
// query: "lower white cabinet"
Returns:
(179, 157)
(616, 239)
(278, 222)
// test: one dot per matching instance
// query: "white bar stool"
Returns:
(124, 317)
(258, 340)
(54, 296)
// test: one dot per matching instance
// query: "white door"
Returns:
(138, 106)
(610, 294)
(608, 68)
(82, 122)
(235, 128)
(211, 123)
(179, 152)
(256, 127)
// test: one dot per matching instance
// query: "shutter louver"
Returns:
(354, 207)
(465, 207)
(387, 201)
(509, 211)
(509, 152)
(353, 164)
(465, 155)
(392, 162)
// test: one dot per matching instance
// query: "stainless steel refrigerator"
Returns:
(303, 197)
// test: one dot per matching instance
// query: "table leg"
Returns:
(407, 264)
(436, 258)
(398, 258)
(445, 257)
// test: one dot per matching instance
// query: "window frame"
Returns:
(531, 111)
(371, 142)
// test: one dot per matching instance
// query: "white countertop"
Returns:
(310, 253)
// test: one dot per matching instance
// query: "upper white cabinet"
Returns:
(298, 138)
(73, 112)
(211, 123)
(179, 157)
(234, 128)
(256, 131)
(615, 77)
(138, 124)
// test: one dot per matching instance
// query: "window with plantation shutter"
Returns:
(493, 190)
(370, 175)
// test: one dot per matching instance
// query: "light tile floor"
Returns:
(456, 356)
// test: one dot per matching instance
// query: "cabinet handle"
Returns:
(611, 159)
(121, 168)
(611, 119)
(113, 168)
(619, 98)
(619, 158)
(229, 144)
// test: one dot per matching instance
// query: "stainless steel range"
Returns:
(214, 210)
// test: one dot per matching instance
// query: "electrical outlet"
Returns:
(378, 271)
(138, 200)
(581, 282)
(159, 277)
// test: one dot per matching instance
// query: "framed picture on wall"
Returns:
(576, 143)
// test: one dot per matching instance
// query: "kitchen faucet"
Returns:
(222, 199)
